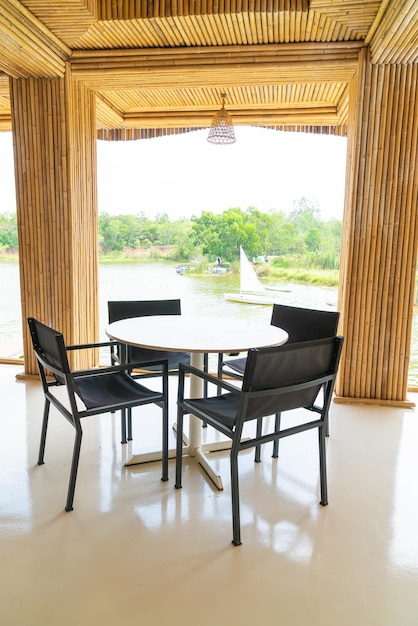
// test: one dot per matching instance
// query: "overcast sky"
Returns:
(184, 175)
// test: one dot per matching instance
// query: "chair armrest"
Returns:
(101, 344)
(120, 368)
(219, 382)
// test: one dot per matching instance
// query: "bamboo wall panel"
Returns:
(151, 133)
(377, 282)
(55, 170)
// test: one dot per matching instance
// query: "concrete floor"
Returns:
(137, 551)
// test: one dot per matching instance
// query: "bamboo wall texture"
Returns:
(55, 169)
(379, 252)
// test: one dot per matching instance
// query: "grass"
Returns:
(319, 278)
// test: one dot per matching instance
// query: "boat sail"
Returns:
(251, 289)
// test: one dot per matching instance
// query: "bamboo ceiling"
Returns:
(158, 66)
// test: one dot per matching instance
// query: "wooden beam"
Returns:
(27, 47)
(314, 116)
(213, 67)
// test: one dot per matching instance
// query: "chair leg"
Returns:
(323, 466)
(236, 522)
(74, 468)
(165, 440)
(123, 425)
(43, 432)
(205, 383)
(276, 441)
(259, 432)
(220, 365)
(129, 416)
(205, 369)
(179, 448)
(326, 417)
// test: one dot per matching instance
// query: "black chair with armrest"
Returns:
(90, 392)
(301, 324)
(126, 309)
(275, 380)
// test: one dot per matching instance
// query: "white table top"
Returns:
(183, 333)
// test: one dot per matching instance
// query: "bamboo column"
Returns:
(55, 168)
(379, 251)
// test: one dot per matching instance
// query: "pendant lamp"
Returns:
(222, 130)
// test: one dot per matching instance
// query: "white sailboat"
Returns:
(251, 290)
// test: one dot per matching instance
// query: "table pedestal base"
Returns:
(193, 446)
(197, 453)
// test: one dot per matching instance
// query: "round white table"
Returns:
(197, 335)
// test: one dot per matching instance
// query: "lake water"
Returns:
(203, 295)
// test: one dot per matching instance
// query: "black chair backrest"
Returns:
(304, 324)
(49, 347)
(283, 366)
(125, 309)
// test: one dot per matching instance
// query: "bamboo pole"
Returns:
(55, 164)
(380, 238)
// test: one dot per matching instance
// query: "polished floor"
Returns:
(137, 551)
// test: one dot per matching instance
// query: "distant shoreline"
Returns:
(319, 278)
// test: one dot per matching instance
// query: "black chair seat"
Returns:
(223, 408)
(112, 389)
(238, 365)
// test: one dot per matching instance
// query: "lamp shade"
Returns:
(222, 130)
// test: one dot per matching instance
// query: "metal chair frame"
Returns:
(301, 324)
(275, 380)
(102, 390)
(125, 309)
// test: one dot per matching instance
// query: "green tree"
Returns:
(8, 232)
(110, 238)
(222, 235)
(305, 215)
(286, 239)
(130, 230)
(301, 239)
(313, 239)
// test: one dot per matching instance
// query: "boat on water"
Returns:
(251, 290)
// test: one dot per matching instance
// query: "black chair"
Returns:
(100, 390)
(301, 324)
(275, 380)
(125, 309)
